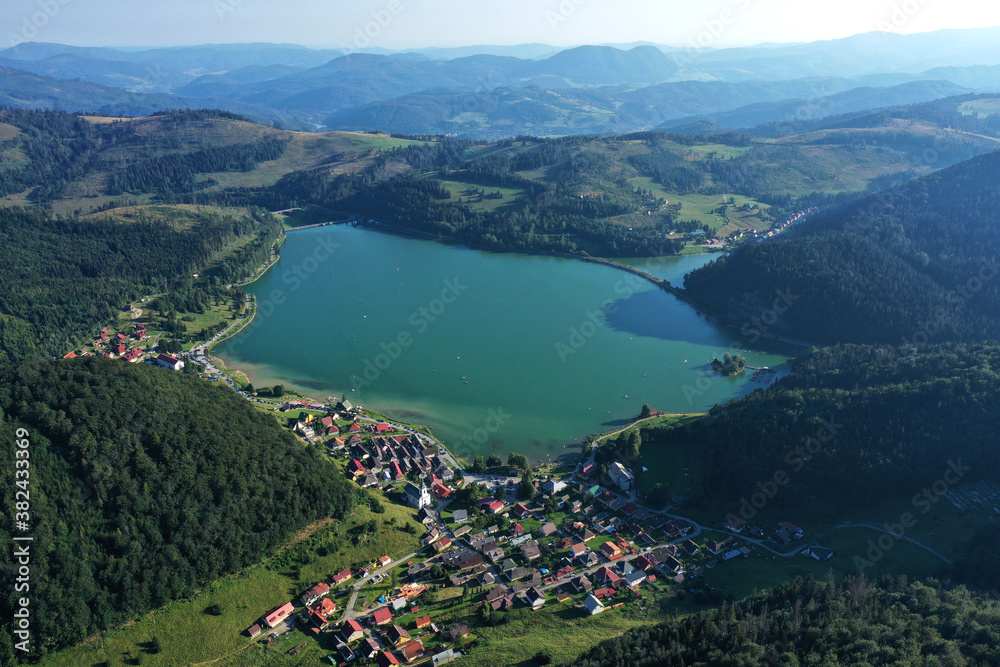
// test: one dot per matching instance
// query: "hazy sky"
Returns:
(397, 24)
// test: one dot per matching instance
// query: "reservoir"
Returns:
(496, 352)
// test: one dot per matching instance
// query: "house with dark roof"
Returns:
(386, 659)
(582, 584)
(396, 635)
(351, 631)
(819, 553)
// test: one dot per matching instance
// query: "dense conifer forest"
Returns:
(917, 263)
(63, 279)
(145, 483)
(851, 422)
(809, 622)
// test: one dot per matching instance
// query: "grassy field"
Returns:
(188, 631)
(703, 208)
(984, 108)
(460, 191)
(307, 150)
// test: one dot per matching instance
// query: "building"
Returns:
(381, 616)
(167, 361)
(423, 622)
(411, 650)
(620, 476)
(397, 635)
(635, 578)
(593, 605)
(351, 631)
(819, 553)
(611, 551)
(342, 576)
(253, 630)
(582, 584)
(548, 529)
(386, 659)
(314, 593)
(278, 615)
(552, 487)
(417, 496)
(460, 516)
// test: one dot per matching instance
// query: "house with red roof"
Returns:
(277, 615)
(351, 631)
(381, 616)
(381, 428)
(412, 650)
(320, 612)
(494, 507)
(355, 467)
(423, 622)
(342, 576)
(607, 575)
(315, 593)
(167, 361)
(521, 510)
(386, 659)
(441, 491)
(354, 428)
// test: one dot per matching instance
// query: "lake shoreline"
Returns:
(665, 393)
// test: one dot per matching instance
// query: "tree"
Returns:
(278, 391)
(646, 411)
(516, 460)
(494, 461)
(526, 489)
(479, 465)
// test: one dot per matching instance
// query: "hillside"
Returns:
(915, 263)
(65, 279)
(145, 485)
(861, 401)
(809, 622)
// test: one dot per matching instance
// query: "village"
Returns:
(133, 347)
(577, 542)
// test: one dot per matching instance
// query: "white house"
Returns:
(173, 363)
(620, 476)
(593, 605)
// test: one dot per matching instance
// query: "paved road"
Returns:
(349, 612)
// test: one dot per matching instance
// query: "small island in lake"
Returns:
(730, 365)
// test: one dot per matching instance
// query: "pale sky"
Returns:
(402, 24)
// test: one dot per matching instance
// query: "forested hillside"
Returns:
(852, 422)
(63, 279)
(917, 263)
(145, 483)
(809, 622)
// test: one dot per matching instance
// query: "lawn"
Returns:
(188, 631)
(460, 191)
(983, 108)
(703, 208)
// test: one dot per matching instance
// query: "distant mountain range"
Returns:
(494, 91)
